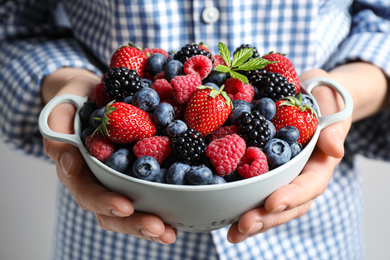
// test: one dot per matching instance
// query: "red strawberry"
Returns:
(130, 57)
(290, 112)
(124, 123)
(285, 67)
(207, 109)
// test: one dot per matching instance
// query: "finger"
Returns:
(144, 226)
(74, 173)
(259, 220)
(311, 183)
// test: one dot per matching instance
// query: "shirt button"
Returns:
(210, 14)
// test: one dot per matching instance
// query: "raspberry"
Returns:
(99, 96)
(156, 50)
(160, 75)
(163, 88)
(223, 131)
(253, 163)
(99, 147)
(218, 60)
(238, 90)
(225, 153)
(198, 64)
(157, 147)
(184, 87)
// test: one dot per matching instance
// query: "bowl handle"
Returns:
(325, 121)
(44, 128)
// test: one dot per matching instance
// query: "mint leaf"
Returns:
(239, 76)
(225, 53)
(222, 68)
(241, 56)
(254, 64)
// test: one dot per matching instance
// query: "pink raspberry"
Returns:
(223, 131)
(156, 146)
(99, 147)
(184, 87)
(253, 163)
(160, 75)
(225, 153)
(99, 96)
(163, 88)
(238, 90)
(156, 50)
(198, 64)
(218, 60)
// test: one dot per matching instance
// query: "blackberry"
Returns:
(256, 53)
(190, 50)
(188, 146)
(275, 86)
(253, 127)
(121, 82)
(254, 76)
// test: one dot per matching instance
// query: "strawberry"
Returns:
(285, 67)
(131, 57)
(290, 112)
(124, 123)
(207, 109)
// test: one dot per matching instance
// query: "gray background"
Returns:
(27, 205)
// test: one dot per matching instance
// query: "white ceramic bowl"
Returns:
(196, 208)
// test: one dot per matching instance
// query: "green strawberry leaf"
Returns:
(254, 64)
(241, 56)
(225, 53)
(222, 68)
(239, 76)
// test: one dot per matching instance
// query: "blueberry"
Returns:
(308, 100)
(155, 63)
(128, 99)
(290, 134)
(86, 132)
(233, 176)
(211, 84)
(94, 119)
(238, 108)
(199, 175)
(173, 69)
(86, 111)
(146, 99)
(120, 160)
(176, 127)
(160, 178)
(146, 168)
(176, 173)
(170, 56)
(278, 152)
(146, 83)
(267, 107)
(272, 129)
(296, 148)
(163, 114)
(216, 77)
(217, 180)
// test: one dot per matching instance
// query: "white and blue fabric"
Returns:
(39, 37)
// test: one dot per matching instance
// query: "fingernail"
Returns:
(243, 237)
(147, 233)
(337, 140)
(280, 209)
(157, 239)
(256, 227)
(66, 161)
(117, 213)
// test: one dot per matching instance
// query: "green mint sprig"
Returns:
(240, 62)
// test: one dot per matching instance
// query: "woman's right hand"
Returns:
(113, 211)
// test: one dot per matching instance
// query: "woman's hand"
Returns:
(295, 199)
(113, 211)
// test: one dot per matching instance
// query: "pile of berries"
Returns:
(197, 118)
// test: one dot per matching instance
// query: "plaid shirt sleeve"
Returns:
(32, 45)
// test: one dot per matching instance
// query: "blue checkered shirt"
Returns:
(38, 37)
